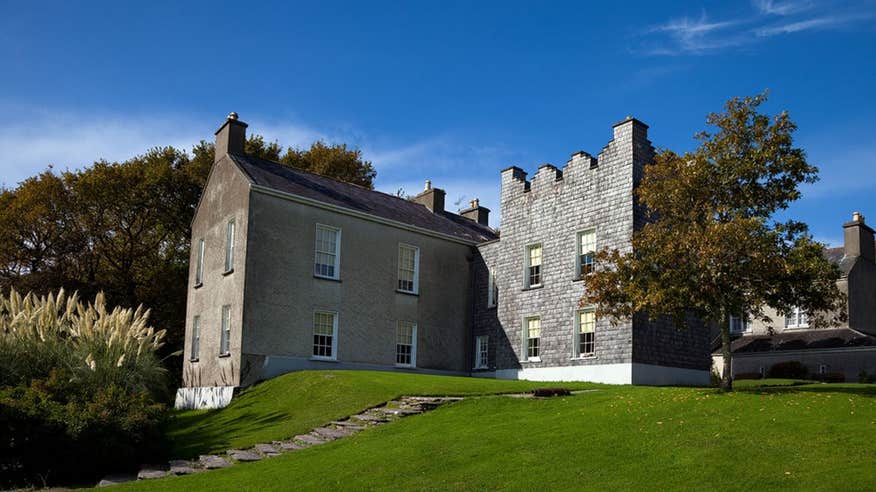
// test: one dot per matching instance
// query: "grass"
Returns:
(297, 402)
(812, 437)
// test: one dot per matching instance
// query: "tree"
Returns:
(335, 161)
(711, 246)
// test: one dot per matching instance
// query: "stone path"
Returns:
(379, 415)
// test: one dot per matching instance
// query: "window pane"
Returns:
(196, 337)
(407, 265)
(326, 251)
(533, 332)
(229, 246)
(404, 343)
(225, 340)
(323, 334)
(199, 267)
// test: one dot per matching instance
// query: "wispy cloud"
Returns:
(703, 35)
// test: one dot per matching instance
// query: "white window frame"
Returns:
(482, 352)
(576, 349)
(492, 288)
(527, 255)
(800, 319)
(225, 334)
(413, 327)
(199, 263)
(744, 323)
(416, 279)
(336, 253)
(526, 357)
(334, 346)
(578, 250)
(230, 232)
(195, 351)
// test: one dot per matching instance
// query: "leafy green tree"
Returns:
(335, 161)
(710, 245)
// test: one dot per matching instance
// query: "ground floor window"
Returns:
(482, 352)
(406, 344)
(531, 337)
(225, 336)
(586, 333)
(325, 334)
(196, 338)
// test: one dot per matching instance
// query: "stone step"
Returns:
(212, 462)
(310, 439)
(289, 445)
(244, 455)
(150, 473)
(330, 433)
(267, 449)
(370, 417)
(182, 467)
(116, 479)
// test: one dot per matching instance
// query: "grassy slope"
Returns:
(812, 437)
(297, 402)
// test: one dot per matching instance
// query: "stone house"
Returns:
(844, 349)
(290, 271)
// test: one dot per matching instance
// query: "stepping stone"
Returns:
(267, 449)
(211, 462)
(116, 479)
(181, 467)
(290, 446)
(353, 426)
(244, 455)
(400, 411)
(151, 473)
(367, 417)
(330, 433)
(309, 439)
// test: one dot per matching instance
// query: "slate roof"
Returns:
(837, 256)
(313, 186)
(802, 340)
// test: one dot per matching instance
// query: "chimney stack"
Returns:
(858, 238)
(477, 213)
(431, 198)
(230, 137)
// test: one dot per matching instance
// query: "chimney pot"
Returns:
(232, 116)
(857, 217)
(428, 185)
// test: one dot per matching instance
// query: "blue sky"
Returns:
(451, 92)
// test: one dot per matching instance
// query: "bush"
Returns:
(748, 375)
(80, 390)
(791, 369)
(547, 392)
(830, 377)
(863, 377)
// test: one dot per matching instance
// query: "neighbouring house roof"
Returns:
(838, 256)
(330, 191)
(801, 340)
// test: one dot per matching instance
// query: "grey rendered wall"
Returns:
(587, 194)
(225, 196)
(862, 296)
(282, 292)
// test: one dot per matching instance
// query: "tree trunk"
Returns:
(726, 376)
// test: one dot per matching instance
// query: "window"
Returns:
(796, 318)
(408, 268)
(492, 289)
(482, 352)
(533, 265)
(822, 369)
(199, 264)
(196, 338)
(586, 333)
(406, 344)
(586, 245)
(531, 335)
(229, 246)
(325, 335)
(740, 324)
(328, 252)
(225, 337)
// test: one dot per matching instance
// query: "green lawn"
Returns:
(814, 437)
(297, 402)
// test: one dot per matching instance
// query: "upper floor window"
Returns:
(408, 268)
(406, 344)
(740, 324)
(482, 352)
(532, 337)
(328, 252)
(586, 250)
(796, 318)
(225, 336)
(325, 335)
(533, 265)
(586, 333)
(199, 263)
(196, 338)
(492, 289)
(229, 246)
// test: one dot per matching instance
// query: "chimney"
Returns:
(230, 137)
(858, 238)
(477, 213)
(431, 198)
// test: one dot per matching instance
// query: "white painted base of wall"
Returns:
(276, 365)
(624, 373)
(203, 397)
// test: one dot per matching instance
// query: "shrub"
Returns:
(80, 389)
(547, 392)
(791, 369)
(830, 377)
(748, 375)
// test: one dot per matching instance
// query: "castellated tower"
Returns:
(528, 282)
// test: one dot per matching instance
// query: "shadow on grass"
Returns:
(190, 435)
(853, 389)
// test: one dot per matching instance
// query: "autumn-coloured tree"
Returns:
(711, 246)
(334, 161)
